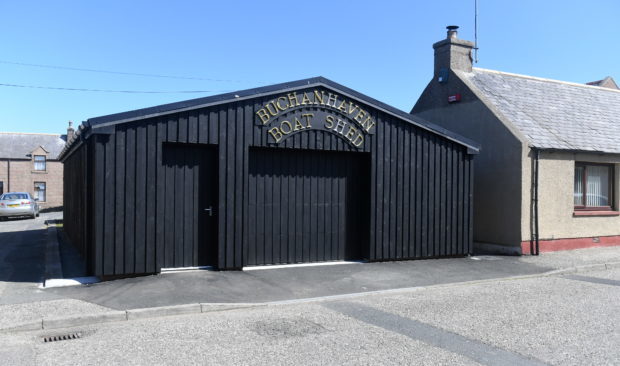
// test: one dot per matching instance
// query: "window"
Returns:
(593, 186)
(39, 162)
(1, 188)
(39, 191)
(15, 196)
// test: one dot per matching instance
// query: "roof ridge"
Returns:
(30, 133)
(545, 79)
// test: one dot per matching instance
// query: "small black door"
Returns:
(190, 206)
(307, 206)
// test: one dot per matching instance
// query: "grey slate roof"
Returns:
(553, 114)
(18, 145)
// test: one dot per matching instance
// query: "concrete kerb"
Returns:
(73, 321)
(348, 296)
(185, 309)
(583, 268)
(126, 315)
(24, 327)
(614, 265)
(592, 267)
(215, 306)
(163, 311)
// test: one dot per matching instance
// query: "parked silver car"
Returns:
(18, 204)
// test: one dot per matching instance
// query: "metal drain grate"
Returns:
(63, 337)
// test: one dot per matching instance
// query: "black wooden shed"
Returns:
(307, 171)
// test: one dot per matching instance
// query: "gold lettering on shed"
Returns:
(348, 120)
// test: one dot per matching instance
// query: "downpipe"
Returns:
(534, 242)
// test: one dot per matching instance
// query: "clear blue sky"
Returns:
(380, 48)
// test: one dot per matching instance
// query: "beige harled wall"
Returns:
(497, 169)
(556, 208)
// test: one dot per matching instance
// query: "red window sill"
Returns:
(596, 213)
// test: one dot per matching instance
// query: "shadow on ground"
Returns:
(73, 264)
(22, 255)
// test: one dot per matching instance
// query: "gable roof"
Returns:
(554, 114)
(125, 117)
(19, 145)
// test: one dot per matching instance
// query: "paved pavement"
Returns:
(556, 320)
(307, 282)
(291, 283)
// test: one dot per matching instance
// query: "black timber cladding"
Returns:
(416, 186)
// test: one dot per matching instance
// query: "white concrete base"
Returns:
(297, 265)
(186, 269)
(64, 282)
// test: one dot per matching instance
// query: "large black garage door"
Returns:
(307, 206)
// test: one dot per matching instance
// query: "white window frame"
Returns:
(36, 163)
(36, 192)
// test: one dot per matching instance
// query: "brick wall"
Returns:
(23, 176)
(3, 177)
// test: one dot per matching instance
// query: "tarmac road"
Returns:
(556, 320)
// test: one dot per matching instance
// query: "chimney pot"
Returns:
(452, 31)
(70, 132)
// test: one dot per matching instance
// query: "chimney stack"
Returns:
(70, 132)
(452, 53)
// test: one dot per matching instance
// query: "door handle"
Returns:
(210, 210)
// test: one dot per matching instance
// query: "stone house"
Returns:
(548, 174)
(28, 163)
